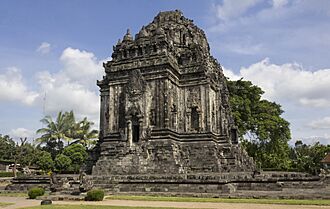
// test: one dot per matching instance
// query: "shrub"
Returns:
(45, 161)
(78, 155)
(95, 195)
(62, 163)
(35, 192)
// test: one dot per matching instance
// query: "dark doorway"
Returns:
(194, 119)
(234, 137)
(135, 129)
(136, 133)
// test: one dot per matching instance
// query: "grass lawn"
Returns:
(3, 204)
(13, 194)
(92, 207)
(224, 200)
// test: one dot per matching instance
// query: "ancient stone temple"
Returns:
(164, 105)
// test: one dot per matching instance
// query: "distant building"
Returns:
(5, 165)
(326, 161)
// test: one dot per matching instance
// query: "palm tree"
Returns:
(85, 135)
(56, 130)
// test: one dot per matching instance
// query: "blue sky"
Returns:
(51, 54)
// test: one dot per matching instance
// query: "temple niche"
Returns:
(164, 105)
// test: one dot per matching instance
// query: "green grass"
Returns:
(223, 200)
(92, 207)
(13, 194)
(3, 204)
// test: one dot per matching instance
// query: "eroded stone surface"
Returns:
(164, 105)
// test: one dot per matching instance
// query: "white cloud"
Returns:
(62, 94)
(22, 133)
(73, 87)
(230, 74)
(279, 3)
(13, 88)
(44, 48)
(323, 123)
(323, 139)
(229, 9)
(81, 66)
(290, 82)
(303, 95)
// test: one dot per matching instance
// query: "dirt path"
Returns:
(196, 205)
(21, 202)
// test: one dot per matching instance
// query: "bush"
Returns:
(35, 192)
(95, 195)
(45, 161)
(62, 163)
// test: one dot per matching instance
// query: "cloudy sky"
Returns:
(51, 54)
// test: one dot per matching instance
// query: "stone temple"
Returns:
(164, 105)
(166, 125)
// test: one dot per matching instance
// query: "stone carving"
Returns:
(136, 85)
(85, 184)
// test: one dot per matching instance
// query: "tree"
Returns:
(18, 154)
(77, 154)
(59, 129)
(7, 147)
(65, 129)
(29, 154)
(62, 163)
(262, 130)
(308, 157)
(84, 134)
(45, 161)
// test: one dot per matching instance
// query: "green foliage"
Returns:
(28, 154)
(95, 195)
(45, 161)
(62, 163)
(6, 174)
(7, 147)
(307, 157)
(263, 131)
(35, 192)
(65, 129)
(78, 155)
(56, 131)
(84, 134)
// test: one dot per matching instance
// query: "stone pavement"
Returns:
(21, 202)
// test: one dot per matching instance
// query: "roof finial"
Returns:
(128, 36)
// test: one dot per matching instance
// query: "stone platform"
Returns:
(284, 185)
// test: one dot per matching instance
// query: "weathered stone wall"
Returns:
(235, 184)
(169, 156)
(164, 105)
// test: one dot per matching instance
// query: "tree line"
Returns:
(63, 145)
(265, 134)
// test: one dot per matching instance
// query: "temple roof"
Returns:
(326, 159)
(174, 28)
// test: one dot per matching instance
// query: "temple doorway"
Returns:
(135, 129)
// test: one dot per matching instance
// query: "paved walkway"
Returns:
(21, 202)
